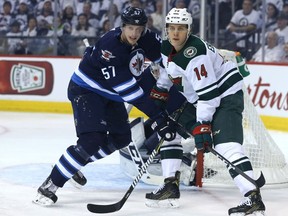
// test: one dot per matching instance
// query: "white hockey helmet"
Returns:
(179, 16)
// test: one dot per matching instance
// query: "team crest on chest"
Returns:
(136, 64)
(190, 52)
(177, 81)
(107, 55)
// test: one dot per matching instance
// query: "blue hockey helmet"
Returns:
(134, 16)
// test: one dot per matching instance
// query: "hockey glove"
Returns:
(202, 135)
(164, 127)
(160, 96)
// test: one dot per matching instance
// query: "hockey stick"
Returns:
(137, 159)
(258, 182)
(138, 129)
(97, 208)
(86, 42)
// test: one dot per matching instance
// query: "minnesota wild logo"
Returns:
(190, 52)
(177, 82)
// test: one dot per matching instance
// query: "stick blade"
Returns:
(95, 208)
(261, 180)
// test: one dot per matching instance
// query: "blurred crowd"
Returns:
(260, 33)
(57, 27)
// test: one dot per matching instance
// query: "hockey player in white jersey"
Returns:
(214, 86)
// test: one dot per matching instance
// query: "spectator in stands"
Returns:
(225, 14)
(150, 6)
(278, 3)
(69, 18)
(113, 16)
(136, 3)
(31, 30)
(194, 9)
(151, 26)
(282, 28)
(15, 45)
(243, 22)
(63, 28)
(157, 16)
(179, 3)
(83, 27)
(105, 26)
(64, 40)
(92, 18)
(272, 51)
(12, 4)
(98, 7)
(82, 30)
(32, 7)
(5, 18)
(285, 7)
(46, 13)
(272, 13)
(21, 14)
(29, 35)
(285, 56)
(44, 28)
(64, 3)
(44, 38)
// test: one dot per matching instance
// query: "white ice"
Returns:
(30, 143)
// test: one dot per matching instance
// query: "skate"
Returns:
(167, 195)
(78, 180)
(251, 205)
(46, 193)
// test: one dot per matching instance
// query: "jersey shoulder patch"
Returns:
(193, 48)
(111, 50)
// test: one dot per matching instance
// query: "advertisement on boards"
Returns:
(26, 77)
(267, 87)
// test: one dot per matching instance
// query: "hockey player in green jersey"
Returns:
(214, 86)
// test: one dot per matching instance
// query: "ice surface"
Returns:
(30, 143)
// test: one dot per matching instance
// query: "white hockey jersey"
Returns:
(200, 73)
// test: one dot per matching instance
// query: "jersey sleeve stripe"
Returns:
(229, 82)
(227, 74)
(125, 85)
(80, 78)
(209, 95)
(224, 83)
(128, 92)
(133, 95)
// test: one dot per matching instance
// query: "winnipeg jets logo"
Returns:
(177, 81)
(190, 52)
(107, 55)
(137, 64)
